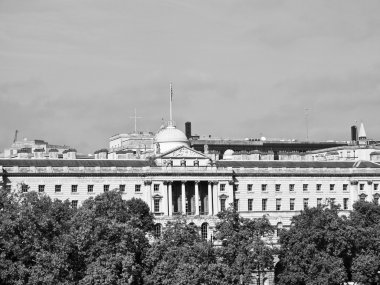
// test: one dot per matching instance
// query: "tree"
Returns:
(246, 245)
(316, 250)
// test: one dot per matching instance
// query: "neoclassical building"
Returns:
(179, 180)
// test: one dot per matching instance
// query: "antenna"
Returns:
(135, 117)
(307, 122)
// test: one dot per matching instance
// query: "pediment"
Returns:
(183, 152)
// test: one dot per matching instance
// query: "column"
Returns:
(148, 194)
(196, 198)
(215, 199)
(183, 197)
(209, 198)
(170, 198)
(353, 192)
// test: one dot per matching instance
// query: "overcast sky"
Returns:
(72, 71)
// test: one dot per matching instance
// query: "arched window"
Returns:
(204, 230)
(157, 230)
(279, 228)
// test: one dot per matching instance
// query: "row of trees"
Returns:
(110, 241)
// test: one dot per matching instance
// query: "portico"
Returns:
(191, 197)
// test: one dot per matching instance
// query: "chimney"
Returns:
(53, 153)
(101, 154)
(354, 133)
(188, 130)
(69, 153)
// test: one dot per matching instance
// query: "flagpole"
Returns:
(171, 98)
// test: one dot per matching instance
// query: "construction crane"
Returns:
(15, 139)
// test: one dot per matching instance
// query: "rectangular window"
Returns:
(58, 188)
(236, 204)
(332, 202)
(90, 188)
(122, 187)
(305, 203)
(319, 202)
(74, 188)
(362, 198)
(236, 187)
(249, 187)
(291, 205)
(376, 200)
(345, 187)
(74, 204)
(106, 188)
(375, 186)
(345, 203)
(319, 187)
(305, 187)
(278, 204)
(24, 188)
(332, 187)
(263, 187)
(278, 187)
(264, 204)
(361, 186)
(137, 187)
(156, 205)
(250, 204)
(222, 204)
(291, 187)
(222, 187)
(41, 188)
(156, 187)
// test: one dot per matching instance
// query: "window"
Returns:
(236, 204)
(41, 188)
(156, 187)
(264, 204)
(249, 187)
(122, 187)
(278, 204)
(345, 187)
(157, 230)
(222, 187)
(236, 187)
(305, 187)
(278, 187)
(74, 204)
(8, 187)
(305, 203)
(361, 186)
(24, 188)
(222, 204)
(90, 188)
(137, 187)
(291, 187)
(106, 188)
(204, 230)
(291, 205)
(345, 203)
(250, 204)
(319, 202)
(375, 186)
(58, 188)
(362, 198)
(332, 202)
(156, 205)
(332, 187)
(74, 188)
(319, 187)
(263, 187)
(376, 200)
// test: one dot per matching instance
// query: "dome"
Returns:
(228, 154)
(169, 138)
